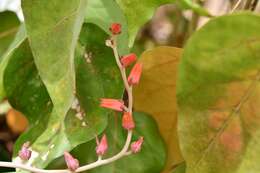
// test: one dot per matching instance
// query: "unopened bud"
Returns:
(25, 153)
(115, 28)
(128, 121)
(114, 104)
(137, 145)
(127, 60)
(71, 162)
(135, 74)
(102, 146)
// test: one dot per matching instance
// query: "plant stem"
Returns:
(31, 169)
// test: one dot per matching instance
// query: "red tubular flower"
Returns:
(115, 28)
(137, 145)
(135, 74)
(25, 153)
(128, 59)
(102, 146)
(128, 121)
(71, 162)
(114, 104)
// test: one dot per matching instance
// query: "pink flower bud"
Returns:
(114, 104)
(71, 162)
(115, 28)
(127, 121)
(102, 146)
(25, 153)
(128, 59)
(137, 145)
(135, 74)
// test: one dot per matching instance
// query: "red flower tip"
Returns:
(135, 74)
(114, 104)
(115, 28)
(128, 59)
(137, 145)
(25, 153)
(128, 121)
(102, 146)
(71, 162)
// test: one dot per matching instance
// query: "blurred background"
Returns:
(170, 25)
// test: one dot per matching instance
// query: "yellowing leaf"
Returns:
(218, 96)
(156, 95)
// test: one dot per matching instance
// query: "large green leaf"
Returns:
(19, 38)
(53, 28)
(8, 28)
(105, 12)
(26, 88)
(218, 95)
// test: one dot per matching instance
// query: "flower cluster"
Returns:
(118, 105)
(128, 122)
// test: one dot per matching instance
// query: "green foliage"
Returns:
(94, 80)
(59, 56)
(8, 28)
(26, 88)
(19, 38)
(218, 96)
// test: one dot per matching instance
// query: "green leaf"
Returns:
(8, 28)
(105, 12)
(26, 88)
(53, 36)
(138, 13)
(218, 95)
(19, 38)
